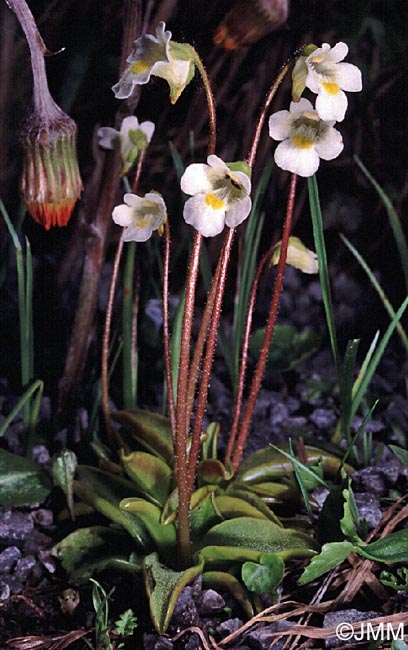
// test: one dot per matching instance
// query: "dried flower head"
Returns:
(248, 22)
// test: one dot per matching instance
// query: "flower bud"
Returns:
(298, 256)
(248, 22)
(50, 181)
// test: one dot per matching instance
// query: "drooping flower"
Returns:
(159, 56)
(328, 76)
(140, 216)
(220, 195)
(305, 138)
(132, 139)
(298, 256)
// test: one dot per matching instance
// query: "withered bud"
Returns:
(50, 181)
(248, 22)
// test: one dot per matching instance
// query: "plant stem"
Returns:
(244, 355)
(182, 424)
(264, 110)
(270, 326)
(209, 357)
(166, 334)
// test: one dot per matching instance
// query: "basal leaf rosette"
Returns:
(131, 140)
(329, 77)
(305, 138)
(140, 216)
(157, 56)
(219, 195)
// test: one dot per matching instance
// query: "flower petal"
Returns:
(349, 77)
(137, 233)
(122, 215)
(302, 106)
(237, 212)
(130, 123)
(196, 179)
(331, 106)
(338, 52)
(133, 200)
(108, 138)
(331, 146)
(303, 162)
(279, 125)
(203, 217)
(148, 129)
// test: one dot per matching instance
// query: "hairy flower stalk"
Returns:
(50, 182)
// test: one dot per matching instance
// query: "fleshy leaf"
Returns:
(332, 554)
(350, 521)
(149, 473)
(265, 576)
(22, 481)
(151, 430)
(392, 548)
(209, 446)
(259, 535)
(63, 470)
(254, 500)
(230, 507)
(288, 348)
(163, 588)
(89, 550)
(213, 471)
(164, 536)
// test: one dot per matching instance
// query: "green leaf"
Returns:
(288, 348)
(90, 550)
(22, 481)
(151, 430)
(259, 535)
(149, 473)
(163, 535)
(230, 507)
(63, 470)
(392, 548)
(212, 471)
(263, 578)
(209, 446)
(350, 522)
(332, 554)
(203, 515)
(127, 623)
(234, 490)
(397, 581)
(163, 587)
(398, 644)
(400, 453)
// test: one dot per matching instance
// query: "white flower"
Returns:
(328, 77)
(306, 138)
(158, 56)
(219, 196)
(140, 216)
(131, 139)
(298, 256)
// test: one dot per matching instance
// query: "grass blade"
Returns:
(346, 384)
(393, 218)
(175, 343)
(25, 399)
(318, 234)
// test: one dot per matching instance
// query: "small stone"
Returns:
(370, 479)
(35, 542)
(24, 567)
(334, 619)
(154, 642)
(46, 560)
(279, 414)
(185, 612)
(196, 586)
(41, 455)
(8, 559)
(15, 584)
(43, 517)
(210, 602)
(15, 527)
(5, 591)
(368, 508)
(228, 627)
(193, 643)
(324, 418)
(261, 637)
(320, 494)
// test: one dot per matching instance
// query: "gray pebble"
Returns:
(24, 567)
(323, 418)
(228, 627)
(5, 592)
(333, 619)
(368, 508)
(185, 612)
(153, 642)
(46, 560)
(43, 517)
(8, 559)
(15, 526)
(210, 601)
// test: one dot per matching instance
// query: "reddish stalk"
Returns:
(244, 356)
(166, 334)
(208, 359)
(108, 318)
(270, 326)
(182, 424)
(201, 340)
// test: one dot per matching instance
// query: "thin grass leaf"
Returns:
(36, 386)
(299, 479)
(248, 269)
(372, 366)
(129, 359)
(352, 442)
(175, 343)
(366, 362)
(32, 424)
(393, 218)
(346, 384)
(320, 246)
(301, 466)
(177, 161)
(383, 297)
